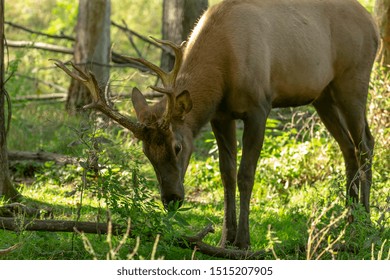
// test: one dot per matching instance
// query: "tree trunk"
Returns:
(179, 18)
(92, 49)
(382, 16)
(6, 188)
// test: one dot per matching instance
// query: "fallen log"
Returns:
(42, 157)
(194, 242)
(58, 226)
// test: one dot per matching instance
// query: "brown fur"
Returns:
(246, 57)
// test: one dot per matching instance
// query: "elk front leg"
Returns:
(253, 137)
(225, 134)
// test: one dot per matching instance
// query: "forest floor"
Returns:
(298, 201)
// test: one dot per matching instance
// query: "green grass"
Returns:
(299, 178)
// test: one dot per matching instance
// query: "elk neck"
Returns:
(203, 75)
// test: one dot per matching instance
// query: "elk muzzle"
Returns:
(172, 199)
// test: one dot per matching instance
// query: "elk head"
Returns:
(167, 141)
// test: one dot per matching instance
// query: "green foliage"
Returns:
(122, 187)
(368, 4)
(64, 17)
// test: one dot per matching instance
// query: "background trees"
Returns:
(179, 17)
(6, 188)
(92, 48)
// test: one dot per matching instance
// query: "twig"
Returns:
(10, 249)
(62, 36)
(41, 97)
(70, 38)
(154, 250)
(144, 38)
(202, 234)
(317, 236)
(235, 254)
(130, 37)
(36, 80)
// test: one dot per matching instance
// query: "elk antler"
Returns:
(99, 101)
(168, 79)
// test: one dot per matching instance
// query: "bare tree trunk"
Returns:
(179, 18)
(382, 16)
(92, 49)
(6, 188)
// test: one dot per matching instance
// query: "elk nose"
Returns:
(172, 202)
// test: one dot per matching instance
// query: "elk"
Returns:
(243, 58)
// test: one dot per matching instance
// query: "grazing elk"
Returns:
(244, 58)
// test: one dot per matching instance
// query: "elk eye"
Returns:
(177, 149)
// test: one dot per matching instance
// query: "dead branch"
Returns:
(70, 38)
(40, 45)
(130, 37)
(9, 250)
(42, 157)
(62, 97)
(234, 254)
(42, 97)
(39, 81)
(62, 36)
(116, 57)
(14, 224)
(125, 29)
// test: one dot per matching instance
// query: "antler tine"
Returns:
(171, 80)
(88, 79)
(168, 79)
(164, 76)
(99, 101)
(170, 105)
(81, 77)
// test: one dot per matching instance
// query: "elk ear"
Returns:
(139, 102)
(183, 104)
